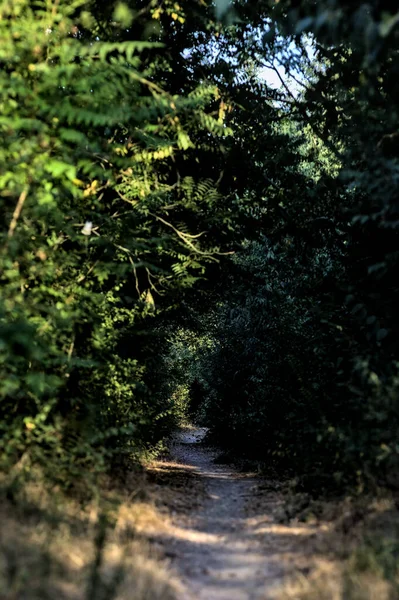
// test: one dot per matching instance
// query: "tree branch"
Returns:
(17, 212)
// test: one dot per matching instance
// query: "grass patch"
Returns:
(358, 556)
(57, 546)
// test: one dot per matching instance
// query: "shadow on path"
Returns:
(220, 550)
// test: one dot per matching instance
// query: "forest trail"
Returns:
(224, 549)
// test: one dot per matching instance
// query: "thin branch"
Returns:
(71, 347)
(129, 253)
(83, 277)
(135, 274)
(150, 84)
(17, 212)
(131, 202)
(302, 110)
(181, 234)
(298, 81)
(152, 285)
(186, 237)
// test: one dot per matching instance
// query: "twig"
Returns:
(71, 347)
(135, 274)
(83, 277)
(302, 110)
(17, 212)
(186, 239)
(181, 234)
(151, 282)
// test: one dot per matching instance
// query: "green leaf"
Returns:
(184, 141)
(58, 169)
(123, 14)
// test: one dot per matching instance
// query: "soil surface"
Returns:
(231, 535)
(226, 549)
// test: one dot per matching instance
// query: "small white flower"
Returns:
(87, 228)
(48, 30)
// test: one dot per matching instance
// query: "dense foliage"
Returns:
(102, 229)
(180, 234)
(304, 365)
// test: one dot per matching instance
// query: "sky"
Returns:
(271, 77)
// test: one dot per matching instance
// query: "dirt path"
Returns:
(217, 549)
(238, 536)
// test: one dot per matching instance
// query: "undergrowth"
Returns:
(357, 556)
(68, 547)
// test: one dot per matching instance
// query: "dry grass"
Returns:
(353, 555)
(323, 584)
(52, 546)
(332, 582)
(338, 582)
(112, 547)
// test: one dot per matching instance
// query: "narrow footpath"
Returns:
(225, 549)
